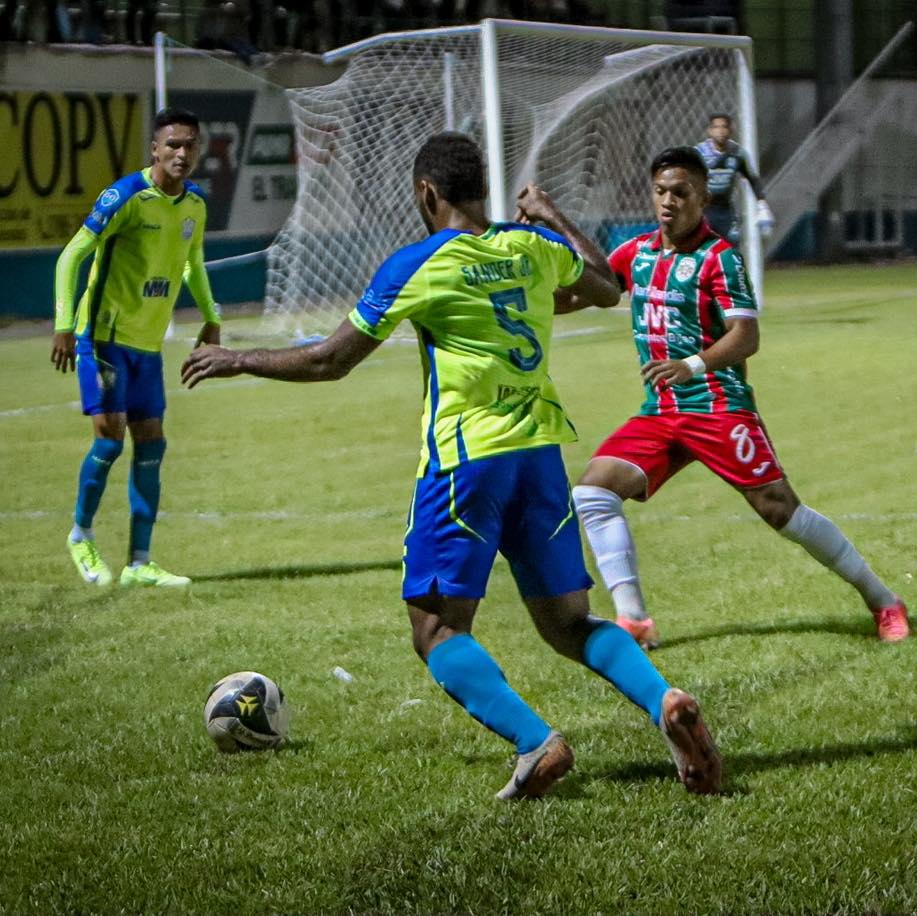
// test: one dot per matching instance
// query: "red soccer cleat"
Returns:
(891, 622)
(644, 631)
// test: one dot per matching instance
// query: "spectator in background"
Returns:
(142, 33)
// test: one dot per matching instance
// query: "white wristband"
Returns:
(696, 364)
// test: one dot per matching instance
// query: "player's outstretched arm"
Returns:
(319, 362)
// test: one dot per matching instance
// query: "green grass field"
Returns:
(286, 505)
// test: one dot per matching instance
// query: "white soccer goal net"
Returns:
(581, 111)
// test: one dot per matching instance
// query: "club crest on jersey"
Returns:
(685, 269)
(109, 198)
(187, 228)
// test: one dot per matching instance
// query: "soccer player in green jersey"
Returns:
(481, 298)
(695, 324)
(146, 232)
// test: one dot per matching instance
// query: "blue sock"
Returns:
(473, 679)
(614, 654)
(143, 491)
(93, 476)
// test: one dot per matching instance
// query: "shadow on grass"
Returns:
(740, 765)
(859, 626)
(301, 572)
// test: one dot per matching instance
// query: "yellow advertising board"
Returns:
(59, 151)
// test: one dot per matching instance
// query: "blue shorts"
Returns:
(116, 379)
(519, 504)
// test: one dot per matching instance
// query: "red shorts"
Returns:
(733, 445)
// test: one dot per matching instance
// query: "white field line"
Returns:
(284, 515)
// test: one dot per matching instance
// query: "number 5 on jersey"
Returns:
(516, 298)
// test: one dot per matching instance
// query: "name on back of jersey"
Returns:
(495, 271)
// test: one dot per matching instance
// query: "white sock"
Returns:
(602, 516)
(78, 533)
(140, 557)
(826, 542)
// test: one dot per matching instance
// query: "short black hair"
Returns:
(454, 163)
(681, 157)
(168, 116)
(720, 116)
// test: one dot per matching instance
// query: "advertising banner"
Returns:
(247, 166)
(60, 149)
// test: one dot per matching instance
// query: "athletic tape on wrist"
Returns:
(696, 364)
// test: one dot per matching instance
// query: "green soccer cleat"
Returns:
(89, 562)
(151, 575)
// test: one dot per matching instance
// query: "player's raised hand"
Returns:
(534, 205)
(63, 349)
(662, 372)
(209, 361)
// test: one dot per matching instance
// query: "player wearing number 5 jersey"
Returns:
(481, 298)
(694, 321)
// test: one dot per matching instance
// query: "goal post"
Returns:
(580, 110)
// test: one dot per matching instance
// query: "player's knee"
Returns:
(775, 505)
(426, 628)
(109, 426)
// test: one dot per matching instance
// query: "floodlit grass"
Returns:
(286, 505)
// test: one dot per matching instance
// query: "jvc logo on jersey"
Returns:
(654, 316)
(156, 287)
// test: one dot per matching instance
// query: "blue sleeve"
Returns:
(111, 200)
(390, 279)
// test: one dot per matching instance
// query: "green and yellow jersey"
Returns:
(145, 242)
(483, 309)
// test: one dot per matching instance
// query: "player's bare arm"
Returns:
(320, 362)
(597, 286)
(738, 343)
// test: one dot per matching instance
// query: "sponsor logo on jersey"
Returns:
(97, 216)
(156, 287)
(109, 198)
(187, 228)
(150, 226)
(685, 269)
(659, 295)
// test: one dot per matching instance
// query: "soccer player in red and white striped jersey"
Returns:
(694, 321)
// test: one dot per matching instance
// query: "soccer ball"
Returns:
(246, 711)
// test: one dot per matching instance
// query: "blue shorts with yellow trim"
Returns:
(116, 379)
(518, 503)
